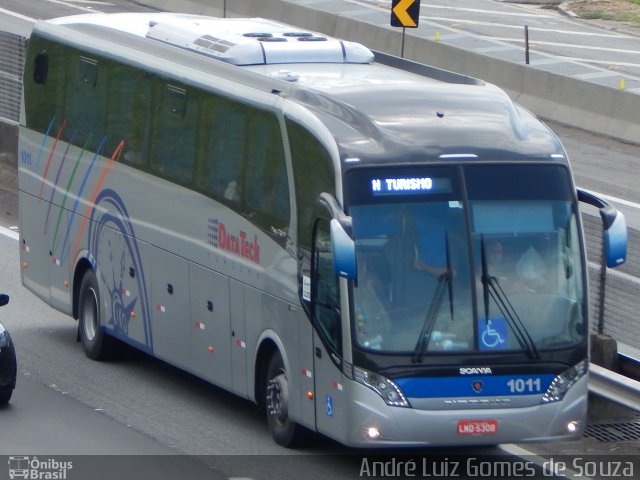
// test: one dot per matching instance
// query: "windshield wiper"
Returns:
(491, 288)
(444, 279)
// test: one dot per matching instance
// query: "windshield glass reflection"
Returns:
(496, 273)
(402, 257)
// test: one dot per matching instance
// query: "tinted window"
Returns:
(175, 120)
(244, 165)
(313, 174)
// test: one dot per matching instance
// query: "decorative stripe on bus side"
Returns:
(96, 190)
(66, 191)
(55, 183)
(53, 150)
(44, 140)
(77, 202)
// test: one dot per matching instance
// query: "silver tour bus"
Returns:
(380, 251)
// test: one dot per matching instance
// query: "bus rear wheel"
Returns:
(285, 432)
(97, 345)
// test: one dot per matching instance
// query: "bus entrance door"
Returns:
(327, 337)
(329, 393)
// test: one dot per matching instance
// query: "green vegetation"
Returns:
(630, 15)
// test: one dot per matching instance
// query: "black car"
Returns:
(8, 365)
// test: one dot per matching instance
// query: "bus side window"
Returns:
(225, 149)
(127, 113)
(326, 289)
(313, 174)
(44, 85)
(267, 190)
(174, 132)
(85, 101)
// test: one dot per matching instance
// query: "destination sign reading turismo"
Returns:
(409, 185)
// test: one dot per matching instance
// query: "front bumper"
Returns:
(410, 427)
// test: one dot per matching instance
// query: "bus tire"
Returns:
(284, 431)
(97, 345)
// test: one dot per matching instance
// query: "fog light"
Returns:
(372, 433)
(573, 427)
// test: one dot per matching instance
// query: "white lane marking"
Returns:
(461, 9)
(17, 15)
(91, 2)
(531, 29)
(614, 199)
(592, 75)
(607, 62)
(569, 45)
(9, 233)
(77, 7)
(456, 33)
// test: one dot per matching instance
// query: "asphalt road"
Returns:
(602, 52)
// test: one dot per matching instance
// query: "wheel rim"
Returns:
(278, 399)
(90, 314)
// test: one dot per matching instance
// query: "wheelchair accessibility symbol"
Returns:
(493, 334)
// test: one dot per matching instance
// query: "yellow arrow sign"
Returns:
(401, 13)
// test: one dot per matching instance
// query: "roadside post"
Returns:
(405, 14)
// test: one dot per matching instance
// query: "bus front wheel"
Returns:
(285, 432)
(97, 345)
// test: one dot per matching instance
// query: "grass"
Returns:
(632, 17)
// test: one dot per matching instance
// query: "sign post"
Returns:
(405, 14)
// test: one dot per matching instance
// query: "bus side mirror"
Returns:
(344, 251)
(615, 236)
(614, 228)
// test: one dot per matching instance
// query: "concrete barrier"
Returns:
(578, 103)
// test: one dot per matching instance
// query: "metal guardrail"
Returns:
(614, 387)
(12, 56)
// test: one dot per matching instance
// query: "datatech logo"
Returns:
(236, 242)
(38, 469)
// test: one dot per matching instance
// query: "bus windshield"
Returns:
(484, 260)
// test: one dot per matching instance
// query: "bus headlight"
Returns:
(563, 382)
(386, 388)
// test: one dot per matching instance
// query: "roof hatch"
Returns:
(255, 41)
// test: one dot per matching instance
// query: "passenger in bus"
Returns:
(430, 248)
(525, 272)
(531, 269)
(497, 266)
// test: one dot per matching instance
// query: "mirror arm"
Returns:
(332, 206)
(608, 213)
